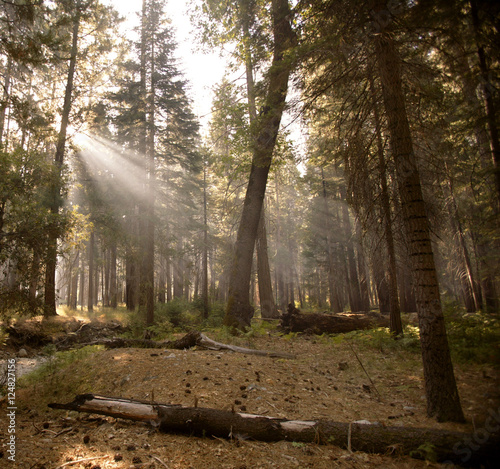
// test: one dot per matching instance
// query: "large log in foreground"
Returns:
(317, 323)
(455, 447)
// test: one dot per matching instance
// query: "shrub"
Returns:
(474, 338)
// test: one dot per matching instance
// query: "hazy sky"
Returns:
(202, 71)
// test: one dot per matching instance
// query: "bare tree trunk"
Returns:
(268, 308)
(204, 294)
(113, 287)
(489, 102)
(81, 293)
(53, 234)
(74, 280)
(6, 96)
(147, 266)
(396, 327)
(364, 279)
(90, 300)
(352, 272)
(239, 312)
(443, 401)
(333, 289)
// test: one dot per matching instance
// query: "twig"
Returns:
(70, 463)
(65, 430)
(349, 438)
(364, 369)
(38, 430)
(160, 461)
(49, 431)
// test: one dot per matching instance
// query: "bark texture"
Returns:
(316, 323)
(239, 311)
(441, 391)
(56, 202)
(369, 438)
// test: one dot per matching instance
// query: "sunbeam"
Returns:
(112, 166)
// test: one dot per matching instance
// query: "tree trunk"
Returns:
(113, 287)
(55, 204)
(204, 293)
(239, 311)
(90, 300)
(364, 280)
(5, 97)
(268, 308)
(74, 281)
(333, 289)
(81, 293)
(441, 390)
(489, 102)
(396, 326)
(147, 280)
(354, 436)
(354, 290)
(266, 299)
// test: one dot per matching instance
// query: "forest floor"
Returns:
(339, 378)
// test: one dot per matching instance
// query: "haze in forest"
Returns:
(134, 180)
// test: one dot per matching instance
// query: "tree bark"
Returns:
(147, 266)
(239, 311)
(370, 438)
(396, 326)
(90, 299)
(333, 288)
(268, 308)
(489, 102)
(352, 271)
(441, 390)
(267, 305)
(53, 234)
(113, 287)
(317, 323)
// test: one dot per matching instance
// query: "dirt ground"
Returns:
(326, 380)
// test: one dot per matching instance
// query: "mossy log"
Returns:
(371, 438)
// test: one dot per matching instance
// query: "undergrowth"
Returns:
(472, 338)
(51, 381)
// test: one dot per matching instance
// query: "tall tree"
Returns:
(55, 205)
(441, 391)
(239, 311)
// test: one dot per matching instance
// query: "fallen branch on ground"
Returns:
(369, 438)
(191, 339)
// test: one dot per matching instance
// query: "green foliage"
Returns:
(215, 317)
(175, 312)
(259, 329)
(51, 381)
(425, 451)
(291, 336)
(474, 338)
(26, 180)
(136, 325)
(381, 339)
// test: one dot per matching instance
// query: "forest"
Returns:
(349, 168)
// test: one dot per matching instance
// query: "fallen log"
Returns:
(191, 339)
(320, 323)
(371, 438)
